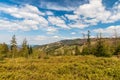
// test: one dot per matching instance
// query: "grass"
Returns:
(61, 68)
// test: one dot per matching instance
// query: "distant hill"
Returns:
(67, 47)
(62, 47)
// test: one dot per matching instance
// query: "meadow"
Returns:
(61, 68)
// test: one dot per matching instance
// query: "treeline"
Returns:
(13, 51)
(102, 47)
(99, 46)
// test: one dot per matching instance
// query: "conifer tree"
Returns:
(14, 47)
(30, 50)
(102, 48)
(88, 39)
(24, 49)
(87, 48)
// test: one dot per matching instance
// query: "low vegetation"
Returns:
(61, 68)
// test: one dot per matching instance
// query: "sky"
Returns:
(47, 21)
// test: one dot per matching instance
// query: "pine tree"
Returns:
(87, 48)
(14, 47)
(24, 49)
(88, 39)
(30, 50)
(102, 48)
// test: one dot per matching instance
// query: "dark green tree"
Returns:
(30, 50)
(102, 48)
(24, 50)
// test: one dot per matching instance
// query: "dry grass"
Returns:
(61, 68)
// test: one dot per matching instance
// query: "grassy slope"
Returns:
(61, 68)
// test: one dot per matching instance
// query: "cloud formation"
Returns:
(54, 17)
(29, 17)
(94, 12)
(109, 31)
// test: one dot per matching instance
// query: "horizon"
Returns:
(47, 21)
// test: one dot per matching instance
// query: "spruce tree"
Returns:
(87, 48)
(24, 49)
(88, 39)
(30, 50)
(14, 47)
(102, 48)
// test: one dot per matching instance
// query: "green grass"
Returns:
(61, 68)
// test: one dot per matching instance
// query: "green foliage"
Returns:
(24, 50)
(117, 49)
(77, 51)
(30, 50)
(102, 49)
(3, 50)
(61, 67)
(14, 47)
(87, 48)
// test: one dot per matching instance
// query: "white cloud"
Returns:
(31, 18)
(55, 6)
(57, 21)
(78, 25)
(26, 11)
(94, 12)
(40, 39)
(51, 30)
(73, 33)
(49, 13)
(72, 17)
(111, 30)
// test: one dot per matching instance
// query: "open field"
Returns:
(61, 68)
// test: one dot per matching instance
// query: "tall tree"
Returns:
(87, 48)
(24, 49)
(30, 50)
(102, 48)
(88, 38)
(14, 47)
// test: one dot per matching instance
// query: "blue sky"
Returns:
(46, 21)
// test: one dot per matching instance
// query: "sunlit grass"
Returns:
(61, 68)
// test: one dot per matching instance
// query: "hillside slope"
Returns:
(63, 47)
